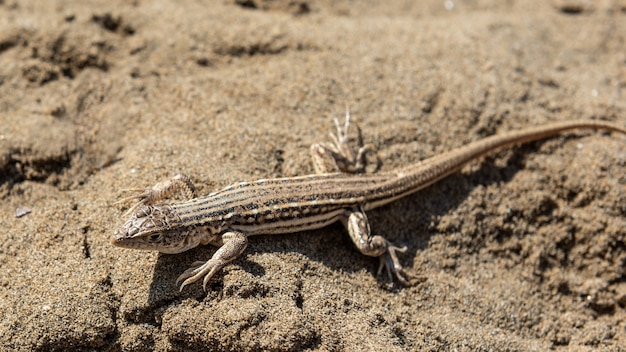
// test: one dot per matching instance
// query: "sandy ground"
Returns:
(525, 250)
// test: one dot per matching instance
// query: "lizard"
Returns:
(338, 191)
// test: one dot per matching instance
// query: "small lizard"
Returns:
(227, 217)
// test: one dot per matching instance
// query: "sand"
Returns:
(523, 250)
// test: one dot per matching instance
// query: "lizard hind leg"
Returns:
(339, 156)
(389, 261)
(376, 246)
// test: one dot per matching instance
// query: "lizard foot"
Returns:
(234, 244)
(389, 261)
(341, 145)
(197, 271)
(159, 191)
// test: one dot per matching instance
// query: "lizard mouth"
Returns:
(115, 240)
(122, 238)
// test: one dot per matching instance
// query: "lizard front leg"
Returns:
(161, 191)
(234, 243)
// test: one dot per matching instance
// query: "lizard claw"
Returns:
(159, 191)
(350, 162)
(198, 270)
(389, 261)
(143, 198)
(234, 244)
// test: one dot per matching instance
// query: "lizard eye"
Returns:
(155, 237)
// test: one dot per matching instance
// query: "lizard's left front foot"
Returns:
(389, 261)
(160, 191)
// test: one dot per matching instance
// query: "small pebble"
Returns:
(22, 211)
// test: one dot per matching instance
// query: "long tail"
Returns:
(423, 174)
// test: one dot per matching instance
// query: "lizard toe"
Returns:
(389, 261)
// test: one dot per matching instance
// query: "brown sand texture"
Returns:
(524, 250)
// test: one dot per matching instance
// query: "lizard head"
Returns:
(157, 228)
